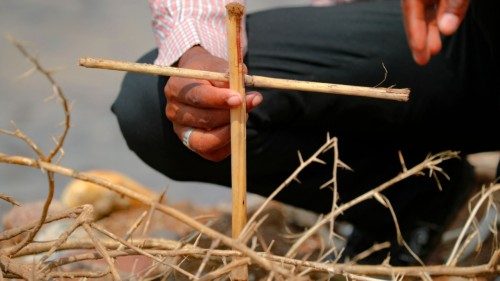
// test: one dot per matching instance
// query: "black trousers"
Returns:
(453, 106)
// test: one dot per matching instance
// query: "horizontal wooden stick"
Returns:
(252, 80)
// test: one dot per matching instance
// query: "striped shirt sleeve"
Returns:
(180, 24)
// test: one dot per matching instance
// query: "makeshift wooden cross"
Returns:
(237, 81)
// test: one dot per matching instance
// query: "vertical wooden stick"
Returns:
(238, 118)
(235, 13)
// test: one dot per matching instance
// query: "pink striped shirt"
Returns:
(180, 24)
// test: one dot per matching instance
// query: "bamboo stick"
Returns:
(251, 80)
(238, 115)
(238, 118)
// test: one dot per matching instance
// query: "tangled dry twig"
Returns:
(169, 255)
(59, 142)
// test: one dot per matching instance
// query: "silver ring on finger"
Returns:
(185, 137)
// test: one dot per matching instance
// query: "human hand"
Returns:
(204, 105)
(426, 20)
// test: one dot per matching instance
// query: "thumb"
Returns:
(221, 84)
(450, 15)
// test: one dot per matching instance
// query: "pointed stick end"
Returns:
(82, 61)
(88, 62)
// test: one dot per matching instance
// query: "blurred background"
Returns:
(59, 33)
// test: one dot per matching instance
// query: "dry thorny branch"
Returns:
(170, 256)
(59, 142)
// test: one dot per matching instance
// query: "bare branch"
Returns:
(21, 229)
(160, 251)
(19, 160)
(84, 217)
(428, 163)
(138, 250)
(100, 248)
(285, 183)
(134, 226)
(59, 143)
(453, 258)
(368, 252)
(225, 269)
(206, 258)
(56, 90)
(17, 133)
(45, 212)
(77, 274)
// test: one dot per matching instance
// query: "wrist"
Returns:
(192, 53)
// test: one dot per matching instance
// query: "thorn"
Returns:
(13, 124)
(330, 181)
(297, 180)
(56, 90)
(26, 74)
(438, 169)
(338, 236)
(254, 243)
(271, 244)
(437, 182)
(163, 195)
(387, 260)
(300, 157)
(431, 171)
(50, 98)
(381, 199)
(10, 200)
(319, 161)
(61, 155)
(55, 141)
(402, 161)
(333, 142)
(344, 166)
(71, 105)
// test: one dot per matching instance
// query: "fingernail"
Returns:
(415, 56)
(233, 100)
(448, 23)
(419, 58)
(257, 100)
